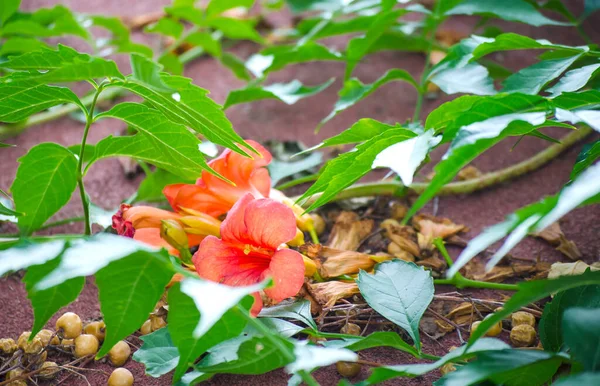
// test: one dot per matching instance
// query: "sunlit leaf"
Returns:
(376, 339)
(363, 130)
(288, 93)
(309, 357)
(206, 41)
(27, 254)
(512, 41)
(299, 311)
(354, 90)
(236, 28)
(166, 26)
(574, 80)
(9, 7)
(20, 45)
(280, 169)
(236, 65)
(216, 7)
(399, 291)
(45, 181)
(588, 155)
(120, 38)
(147, 72)
(45, 22)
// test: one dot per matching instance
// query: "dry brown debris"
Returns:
(430, 228)
(333, 262)
(348, 231)
(555, 237)
(404, 236)
(328, 293)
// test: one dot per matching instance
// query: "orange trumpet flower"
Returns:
(250, 250)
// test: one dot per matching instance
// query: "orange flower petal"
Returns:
(257, 305)
(147, 216)
(269, 223)
(287, 271)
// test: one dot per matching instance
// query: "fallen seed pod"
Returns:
(120, 377)
(8, 346)
(146, 327)
(98, 329)
(347, 369)
(157, 322)
(119, 353)
(35, 346)
(318, 223)
(48, 370)
(447, 368)
(48, 337)
(522, 335)
(495, 330)
(12, 374)
(86, 344)
(67, 342)
(18, 382)
(350, 329)
(34, 360)
(522, 317)
(69, 325)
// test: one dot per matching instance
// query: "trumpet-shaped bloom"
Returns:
(214, 196)
(250, 249)
(143, 223)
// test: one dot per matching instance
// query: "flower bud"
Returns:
(198, 223)
(172, 232)
(310, 267)
(298, 239)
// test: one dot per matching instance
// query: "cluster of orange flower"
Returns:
(244, 249)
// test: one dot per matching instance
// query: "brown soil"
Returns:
(265, 120)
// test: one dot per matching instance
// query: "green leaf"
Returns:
(580, 100)
(20, 99)
(299, 6)
(394, 40)
(171, 63)
(581, 332)
(354, 91)
(506, 367)
(189, 105)
(159, 141)
(235, 65)
(358, 47)
(146, 71)
(334, 27)
(376, 339)
(511, 10)
(344, 170)
(152, 186)
(158, 353)
(512, 41)
(488, 121)
(579, 379)
(588, 155)
(245, 354)
(45, 181)
(26, 254)
(471, 78)
(380, 374)
(216, 7)
(47, 302)
(46, 22)
(206, 41)
(236, 28)
(299, 311)
(280, 326)
(532, 218)
(19, 45)
(276, 58)
(9, 7)
(590, 7)
(574, 80)
(363, 130)
(445, 115)
(532, 291)
(128, 290)
(288, 93)
(531, 80)
(278, 170)
(405, 157)
(399, 291)
(6, 211)
(309, 357)
(120, 38)
(198, 322)
(550, 331)
(166, 26)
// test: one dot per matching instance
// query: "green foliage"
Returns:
(158, 353)
(401, 292)
(581, 333)
(299, 311)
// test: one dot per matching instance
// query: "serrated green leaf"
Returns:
(23, 98)
(511, 10)
(354, 91)
(151, 187)
(358, 47)
(9, 7)
(198, 322)
(216, 7)
(363, 130)
(244, 355)
(236, 28)
(405, 157)
(380, 374)
(45, 22)
(47, 302)
(531, 80)
(45, 59)
(279, 170)
(288, 93)
(442, 117)
(488, 121)
(589, 99)
(334, 27)
(206, 41)
(128, 290)
(189, 105)
(45, 181)
(506, 367)
(147, 72)
(299, 311)
(236, 65)
(399, 41)
(160, 141)
(512, 41)
(532, 291)
(399, 291)
(574, 80)
(158, 353)
(276, 58)
(171, 63)
(550, 327)
(166, 26)
(348, 168)
(120, 36)
(588, 155)
(19, 45)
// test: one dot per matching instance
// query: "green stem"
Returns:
(298, 181)
(89, 119)
(459, 281)
(285, 352)
(313, 236)
(66, 221)
(394, 188)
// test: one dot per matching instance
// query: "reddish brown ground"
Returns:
(273, 120)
